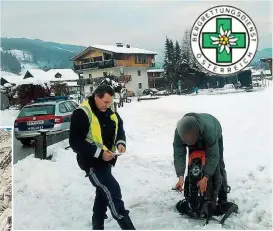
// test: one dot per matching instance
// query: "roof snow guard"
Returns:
(119, 48)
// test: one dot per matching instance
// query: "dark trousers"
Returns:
(224, 187)
(108, 194)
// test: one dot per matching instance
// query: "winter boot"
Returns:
(98, 222)
(125, 223)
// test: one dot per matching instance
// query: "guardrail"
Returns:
(45, 139)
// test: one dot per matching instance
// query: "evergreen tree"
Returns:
(166, 59)
(177, 63)
(172, 76)
(169, 62)
(193, 73)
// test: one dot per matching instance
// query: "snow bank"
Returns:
(56, 195)
(5, 183)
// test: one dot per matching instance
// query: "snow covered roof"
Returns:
(115, 49)
(45, 76)
(10, 77)
(13, 79)
(124, 49)
(66, 74)
(261, 72)
(34, 81)
(156, 70)
(249, 68)
(38, 74)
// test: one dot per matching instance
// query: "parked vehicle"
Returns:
(163, 92)
(150, 91)
(50, 113)
(229, 86)
(156, 92)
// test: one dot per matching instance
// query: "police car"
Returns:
(50, 113)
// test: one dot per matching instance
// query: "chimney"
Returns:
(128, 46)
(119, 44)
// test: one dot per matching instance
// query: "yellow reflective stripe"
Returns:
(87, 109)
(115, 119)
(94, 134)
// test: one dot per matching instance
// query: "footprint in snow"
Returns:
(261, 168)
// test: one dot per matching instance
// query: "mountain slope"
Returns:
(35, 53)
(20, 54)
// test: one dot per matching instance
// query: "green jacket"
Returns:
(209, 135)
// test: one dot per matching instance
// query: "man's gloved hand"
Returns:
(121, 148)
(180, 183)
(202, 184)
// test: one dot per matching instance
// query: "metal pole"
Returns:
(40, 148)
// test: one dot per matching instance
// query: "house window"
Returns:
(139, 73)
(141, 59)
(86, 60)
(139, 85)
(58, 75)
(97, 59)
(107, 56)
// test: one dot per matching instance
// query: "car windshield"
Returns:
(37, 110)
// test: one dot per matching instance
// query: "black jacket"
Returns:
(88, 155)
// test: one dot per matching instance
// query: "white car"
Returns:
(51, 113)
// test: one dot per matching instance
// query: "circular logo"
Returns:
(224, 40)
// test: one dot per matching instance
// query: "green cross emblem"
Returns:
(228, 40)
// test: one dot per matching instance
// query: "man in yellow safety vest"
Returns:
(95, 133)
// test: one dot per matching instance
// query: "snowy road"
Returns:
(20, 151)
(55, 195)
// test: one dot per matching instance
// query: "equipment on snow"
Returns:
(195, 205)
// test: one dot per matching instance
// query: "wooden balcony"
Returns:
(124, 63)
(108, 64)
(119, 79)
(95, 65)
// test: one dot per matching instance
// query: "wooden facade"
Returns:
(99, 59)
(156, 79)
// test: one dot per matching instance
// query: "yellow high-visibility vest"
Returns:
(94, 134)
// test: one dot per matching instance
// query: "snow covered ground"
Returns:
(7, 117)
(22, 55)
(56, 195)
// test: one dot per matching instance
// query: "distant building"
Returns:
(127, 64)
(10, 78)
(261, 73)
(269, 61)
(156, 78)
(51, 77)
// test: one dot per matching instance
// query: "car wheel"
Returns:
(26, 141)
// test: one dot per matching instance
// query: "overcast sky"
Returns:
(141, 24)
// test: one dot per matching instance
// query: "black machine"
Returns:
(199, 206)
